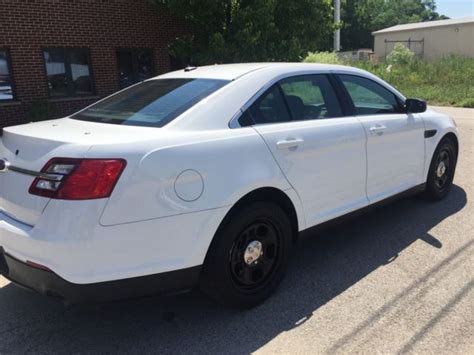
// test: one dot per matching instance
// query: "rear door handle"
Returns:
(378, 130)
(289, 143)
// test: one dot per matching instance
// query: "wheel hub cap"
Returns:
(441, 170)
(253, 252)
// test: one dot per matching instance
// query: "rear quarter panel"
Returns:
(230, 163)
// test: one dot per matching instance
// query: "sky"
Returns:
(455, 8)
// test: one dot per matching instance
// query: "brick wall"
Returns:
(28, 26)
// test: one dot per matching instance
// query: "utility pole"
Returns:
(337, 19)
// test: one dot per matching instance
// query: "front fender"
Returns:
(443, 125)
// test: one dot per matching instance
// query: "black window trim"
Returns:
(10, 73)
(134, 51)
(70, 93)
(349, 103)
(344, 99)
(285, 102)
(234, 122)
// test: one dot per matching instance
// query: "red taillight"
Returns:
(78, 179)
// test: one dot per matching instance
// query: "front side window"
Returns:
(311, 97)
(307, 97)
(6, 80)
(369, 97)
(152, 103)
(68, 72)
(134, 65)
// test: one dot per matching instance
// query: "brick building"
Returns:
(57, 56)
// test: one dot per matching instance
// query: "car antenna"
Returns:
(189, 68)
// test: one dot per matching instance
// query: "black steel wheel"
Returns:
(442, 169)
(254, 255)
(248, 256)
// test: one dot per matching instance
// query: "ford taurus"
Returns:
(205, 176)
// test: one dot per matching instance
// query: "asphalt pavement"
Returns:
(398, 279)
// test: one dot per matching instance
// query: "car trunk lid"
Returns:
(28, 148)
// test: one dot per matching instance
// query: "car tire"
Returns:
(442, 169)
(248, 256)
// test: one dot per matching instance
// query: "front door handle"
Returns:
(289, 143)
(378, 130)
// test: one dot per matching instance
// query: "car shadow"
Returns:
(325, 263)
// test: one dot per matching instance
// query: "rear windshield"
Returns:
(152, 103)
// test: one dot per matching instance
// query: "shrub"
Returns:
(400, 55)
(469, 102)
(322, 57)
(447, 81)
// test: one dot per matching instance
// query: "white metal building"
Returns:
(429, 40)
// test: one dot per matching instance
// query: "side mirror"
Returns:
(415, 105)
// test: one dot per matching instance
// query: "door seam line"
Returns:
(283, 173)
(366, 159)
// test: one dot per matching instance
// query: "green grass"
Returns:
(449, 81)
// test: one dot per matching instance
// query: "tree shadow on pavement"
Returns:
(325, 263)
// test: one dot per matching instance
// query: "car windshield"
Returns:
(152, 103)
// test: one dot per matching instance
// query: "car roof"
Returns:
(234, 71)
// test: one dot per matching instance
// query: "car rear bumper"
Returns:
(50, 284)
(71, 243)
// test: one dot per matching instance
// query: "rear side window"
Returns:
(270, 108)
(311, 97)
(152, 103)
(369, 97)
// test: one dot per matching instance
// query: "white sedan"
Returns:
(205, 176)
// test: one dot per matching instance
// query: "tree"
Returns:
(222, 31)
(361, 17)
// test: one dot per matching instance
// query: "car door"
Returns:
(321, 152)
(395, 139)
